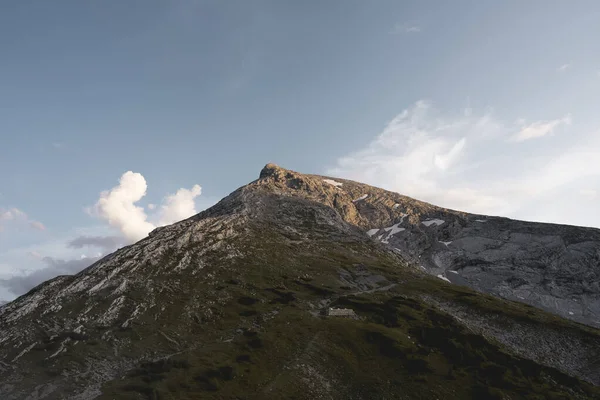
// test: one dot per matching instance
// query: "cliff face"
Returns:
(550, 266)
(230, 304)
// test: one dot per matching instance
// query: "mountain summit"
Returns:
(300, 286)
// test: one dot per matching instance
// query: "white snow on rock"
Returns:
(371, 232)
(444, 278)
(394, 229)
(430, 222)
(364, 196)
(391, 231)
(332, 182)
(480, 220)
(454, 272)
(570, 312)
(395, 206)
(445, 243)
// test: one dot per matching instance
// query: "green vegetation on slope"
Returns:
(266, 343)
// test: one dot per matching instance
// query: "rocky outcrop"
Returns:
(553, 267)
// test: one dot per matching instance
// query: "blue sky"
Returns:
(485, 106)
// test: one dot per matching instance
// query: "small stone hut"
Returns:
(340, 312)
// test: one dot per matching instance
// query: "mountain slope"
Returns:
(550, 266)
(227, 304)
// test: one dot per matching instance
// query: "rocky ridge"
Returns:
(549, 266)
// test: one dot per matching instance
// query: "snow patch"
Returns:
(454, 272)
(371, 232)
(430, 222)
(445, 243)
(442, 277)
(571, 313)
(480, 220)
(332, 182)
(394, 229)
(364, 196)
(395, 206)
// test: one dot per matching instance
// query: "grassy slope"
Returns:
(264, 344)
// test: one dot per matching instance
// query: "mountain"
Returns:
(236, 303)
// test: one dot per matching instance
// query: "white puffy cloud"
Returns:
(463, 161)
(118, 207)
(179, 206)
(539, 129)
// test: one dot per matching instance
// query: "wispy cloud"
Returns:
(589, 193)
(15, 216)
(37, 225)
(106, 243)
(405, 28)
(564, 67)
(20, 284)
(463, 161)
(539, 129)
(12, 214)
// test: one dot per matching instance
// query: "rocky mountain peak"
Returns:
(233, 303)
(519, 260)
(271, 170)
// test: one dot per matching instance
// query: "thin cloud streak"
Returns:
(540, 129)
(405, 28)
(21, 284)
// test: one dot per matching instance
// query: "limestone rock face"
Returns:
(550, 266)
